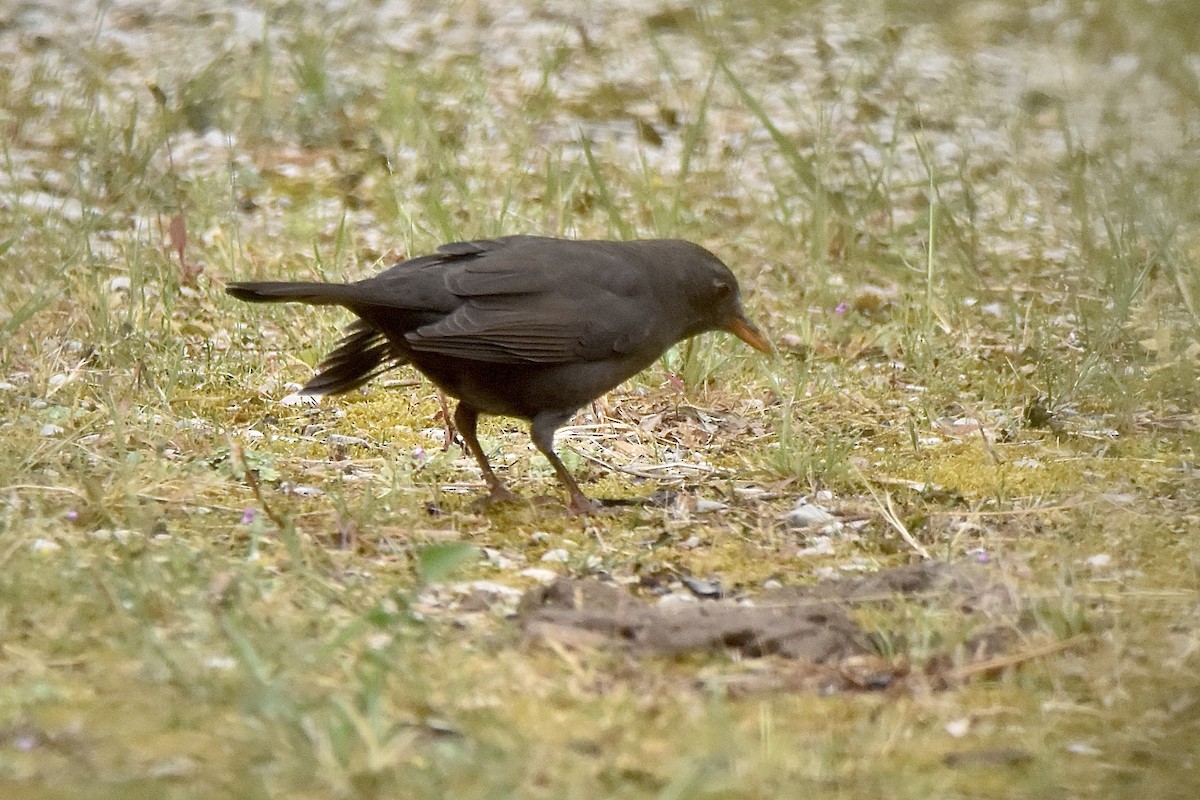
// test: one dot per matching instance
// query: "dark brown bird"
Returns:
(523, 326)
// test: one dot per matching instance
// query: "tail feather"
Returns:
(317, 294)
(363, 354)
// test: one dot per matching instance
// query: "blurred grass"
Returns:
(951, 216)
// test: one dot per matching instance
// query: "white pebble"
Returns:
(300, 400)
(807, 515)
(958, 728)
(542, 576)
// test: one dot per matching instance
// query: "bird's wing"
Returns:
(547, 331)
(514, 312)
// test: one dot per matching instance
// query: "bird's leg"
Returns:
(465, 418)
(447, 420)
(541, 430)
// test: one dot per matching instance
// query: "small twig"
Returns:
(987, 445)
(1012, 512)
(1001, 662)
(40, 488)
(239, 458)
(183, 503)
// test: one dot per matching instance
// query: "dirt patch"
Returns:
(809, 624)
(813, 631)
(966, 586)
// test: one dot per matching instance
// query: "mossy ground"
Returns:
(970, 227)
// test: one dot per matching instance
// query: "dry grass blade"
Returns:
(887, 510)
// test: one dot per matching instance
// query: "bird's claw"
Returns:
(499, 493)
(580, 506)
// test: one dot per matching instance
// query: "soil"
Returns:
(804, 623)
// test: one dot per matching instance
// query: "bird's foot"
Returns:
(580, 506)
(499, 494)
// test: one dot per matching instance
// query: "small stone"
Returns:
(542, 576)
(702, 588)
(791, 341)
(1083, 749)
(498, 559)
(342, 439)
(821, 546)
(499, 590)
(958, 728)
(807, 515)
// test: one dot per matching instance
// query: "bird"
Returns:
(530, 327)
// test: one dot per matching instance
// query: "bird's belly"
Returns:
(524, 390)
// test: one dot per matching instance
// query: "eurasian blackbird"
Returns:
(523, 326)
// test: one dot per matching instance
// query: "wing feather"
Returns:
(549, 327)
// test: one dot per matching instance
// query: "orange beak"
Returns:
(749, 333)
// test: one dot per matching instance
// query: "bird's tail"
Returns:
(316, 294)
(361, 355)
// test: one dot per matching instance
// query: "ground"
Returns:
(970, 471)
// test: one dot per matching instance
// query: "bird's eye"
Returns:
(722, 288)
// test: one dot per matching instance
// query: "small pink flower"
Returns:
(72, 515)
(841, 308)
(248, 516)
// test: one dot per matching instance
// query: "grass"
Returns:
(970, 228)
